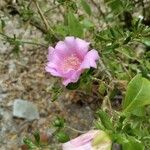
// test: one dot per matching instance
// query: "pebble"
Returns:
(25, 109)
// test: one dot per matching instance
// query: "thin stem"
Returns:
(144, 11)
(48, 28)
(42, 16)
(29, 4)
(99, 80)
(24, 42)
(52, 9)
(102, 67)
(75, 130)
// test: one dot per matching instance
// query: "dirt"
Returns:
(24, 77)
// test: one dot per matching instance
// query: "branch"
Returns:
(42, 16)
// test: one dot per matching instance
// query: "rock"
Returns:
(25, 109)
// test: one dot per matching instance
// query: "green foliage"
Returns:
(26, 13)
(86, 7)
(29, 143)
(59, 122)
(61, 1)
(102, 88)
(36, 135)
(2, 25)
(129, 127)
(62, 137)
(137, 95)
(105, 120)
(119, 6)
(133, 144)
(35, 142)
(74, 26)
(55, 91)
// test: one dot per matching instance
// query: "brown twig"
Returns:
(42, 16)
(103, 68)
(47, 11)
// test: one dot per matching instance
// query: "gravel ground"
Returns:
(24, 77)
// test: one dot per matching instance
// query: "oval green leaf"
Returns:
(137, 95)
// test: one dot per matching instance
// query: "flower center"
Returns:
(71, 62)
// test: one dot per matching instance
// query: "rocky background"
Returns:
(25, 98)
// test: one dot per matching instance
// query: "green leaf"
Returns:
(119, 6)
(36, 135)
(62, 137)
(59, 122)
(105, 120)
(2, 25)
(29, 143)
(139, 112)
(132, 145)
(137, 95)
(127, 142)
(74, 26)
(62, 30)
(86, 7)
(102, 88)
(87, 24)
(146, 41)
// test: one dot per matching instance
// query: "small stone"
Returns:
(25, 109)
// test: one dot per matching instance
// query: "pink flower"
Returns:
(70, 58)
(92, 140)
(83, 142)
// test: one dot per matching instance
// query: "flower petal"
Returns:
(90, 59)
(83, 142)
(62, 49)
(72, 77)
(82, 47)
(53, 71)
(71, 43)
(50, 52)
(52, 68)
(52, 56)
